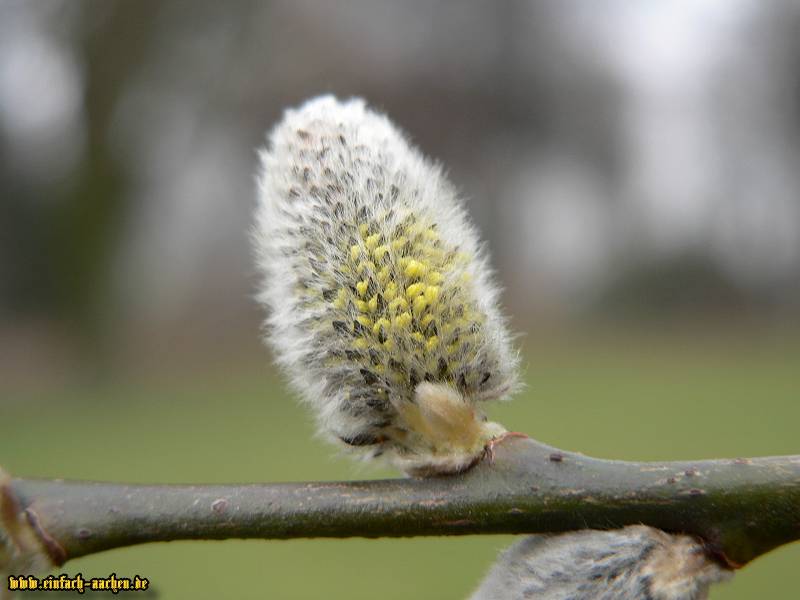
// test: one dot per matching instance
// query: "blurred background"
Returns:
(635, 170)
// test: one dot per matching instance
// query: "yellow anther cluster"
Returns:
(401, 295)
(415, 268)
(380, 324)
(403, 320)
(414, 290)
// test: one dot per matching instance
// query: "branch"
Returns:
(741, 508)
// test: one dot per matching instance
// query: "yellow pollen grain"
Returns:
(426, 321)
(434, 278)
(365, 265)
(390, 291)
(431, 234)
(363, 229)
(364, 320)
(355, 252)
(398, 303)
(361, 344)
(380, 324)
(361, 305)
(419, 305)
(372, 241)
(418, 337)
(389, 344)
(361, 287)
(381, 251)
(399, 243)
(431, 293)
(341, 299)
(415, 268)
(432, 342)
(434, 255)
(403, 320)
(373, 303)
(415, 289)
(383, 275)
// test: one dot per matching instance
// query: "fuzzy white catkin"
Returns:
(381, 305)
(634, 563)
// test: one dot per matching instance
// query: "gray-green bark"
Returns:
(740, 507)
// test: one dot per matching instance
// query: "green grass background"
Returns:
(628, 397)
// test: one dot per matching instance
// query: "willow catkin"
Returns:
(633, 563)
(381, 303)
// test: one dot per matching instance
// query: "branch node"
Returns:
(25, 547)
(54, 550)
